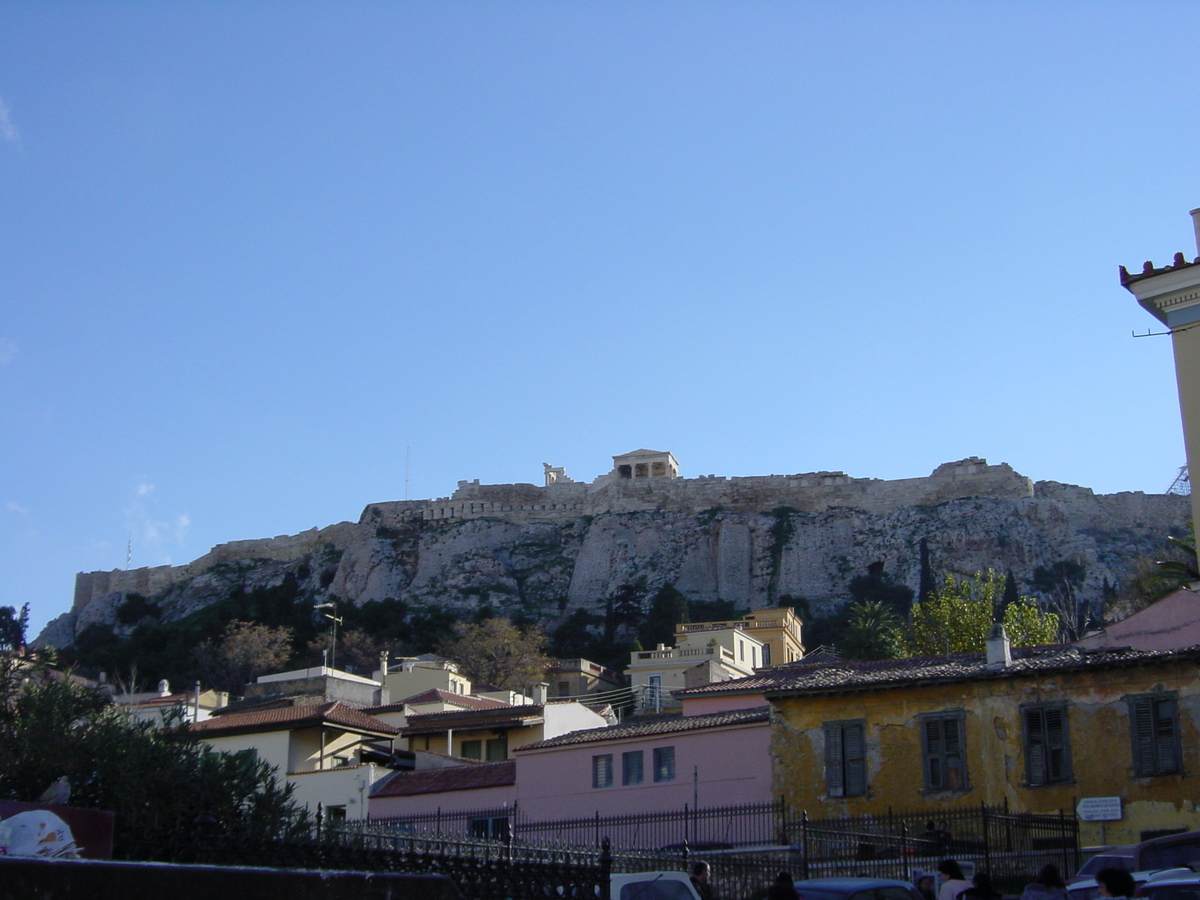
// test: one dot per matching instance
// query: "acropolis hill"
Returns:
(565, 544)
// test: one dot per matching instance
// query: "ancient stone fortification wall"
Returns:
(150, 580)
(810, 492)
(563, 501)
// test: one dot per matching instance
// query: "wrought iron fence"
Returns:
(498, 854)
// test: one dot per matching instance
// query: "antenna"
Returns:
(1182, 483)
(129, 550)
(407, 454)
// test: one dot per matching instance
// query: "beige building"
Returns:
(316, 748)
(777, 629)
(580, 677)
(1172, 295)
(701, 657)
(416, 674)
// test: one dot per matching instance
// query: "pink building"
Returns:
(648, 766)
(1171, 623)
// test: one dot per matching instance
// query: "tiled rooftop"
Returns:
(503, 716)
(289, 717)
(448, 778)
(1149, 271)
(647, 726)
(466, 701)
(849, 674)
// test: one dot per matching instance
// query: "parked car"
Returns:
(1172, 884)
(652, 886)
(856, 889)
(1115, 857)
(1168, 852)
(1085, 889)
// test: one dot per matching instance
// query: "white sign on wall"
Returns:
(1099, 809)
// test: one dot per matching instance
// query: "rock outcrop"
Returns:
(546, 551)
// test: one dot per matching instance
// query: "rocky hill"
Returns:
(542, 552)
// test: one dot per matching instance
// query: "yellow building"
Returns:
(1172, 295)
(778, 629)
(1041, 728)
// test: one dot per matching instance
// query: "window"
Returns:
(602, 772)
(766, 655)
(564, 689)
(1154, 729)
(631, 767)
(497, 748)
(1047, 749)
(664, 763)
(942, 741)
(845, 759)
(495, 829)
(472, 749)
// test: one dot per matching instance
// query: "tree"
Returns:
(928, 583)
(668, 607)
(879, 586)
(13, 625)
(1059, 585)
(357, 651)
(244, 651)
(163, 785)
(496, 652)
(958, 616)
(873, 632)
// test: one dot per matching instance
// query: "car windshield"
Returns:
(1169, 856)
(659, 889)
(1170, 892)
(1106, 860)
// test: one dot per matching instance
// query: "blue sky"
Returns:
(262, 263)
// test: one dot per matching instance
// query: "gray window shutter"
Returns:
(1035, 747)
(856, 761)
(834, 782)
(1142, 713)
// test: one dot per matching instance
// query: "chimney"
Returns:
(164, 688)
(1196, 227)
(540, 690)
(998, 655)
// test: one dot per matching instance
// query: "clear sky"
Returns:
(264, 263)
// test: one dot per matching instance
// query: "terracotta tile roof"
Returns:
(652, 725)
(288, 717)
(1149, 271)
(500, 717)
(801, 678)
(168, 700)
(448, 778)
(466, 701)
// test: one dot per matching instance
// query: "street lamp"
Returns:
(335, 621)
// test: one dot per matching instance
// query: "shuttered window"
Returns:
(845, 759)
(1154, 729)
(944, 755)
(664, 763)
(1047, 748)
(602, 771)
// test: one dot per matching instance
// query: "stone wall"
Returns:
(809, 492)
(151, 580)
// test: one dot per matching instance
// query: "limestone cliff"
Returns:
(549, 550)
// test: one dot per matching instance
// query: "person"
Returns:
(943, 837)
(700, 875)
(981, 888)
(929, 840)
(1114, 882)
(784, 888)
(924, 885)
(1047, 886)
(952, 878)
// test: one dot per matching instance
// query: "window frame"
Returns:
(1154, 752)
(1041, 715)
(472, 748)
(602, 770)
(846, 760)
(944, 752)
(664, 764)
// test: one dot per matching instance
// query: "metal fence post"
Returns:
(606, 863)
